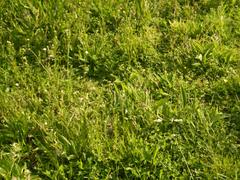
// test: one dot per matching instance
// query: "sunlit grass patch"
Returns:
(119, 90)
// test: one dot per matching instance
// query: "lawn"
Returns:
(120, 89)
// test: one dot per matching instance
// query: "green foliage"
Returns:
(119, 89)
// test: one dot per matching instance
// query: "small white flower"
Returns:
(158, 120)
(86, 52)
(51, 56)
(76, 92)
(199, 57)
(7, 89)
(176, 120)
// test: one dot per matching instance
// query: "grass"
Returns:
(119, 89)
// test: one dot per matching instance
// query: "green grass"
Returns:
(105, 89)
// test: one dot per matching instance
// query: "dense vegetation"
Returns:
(127, 89)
